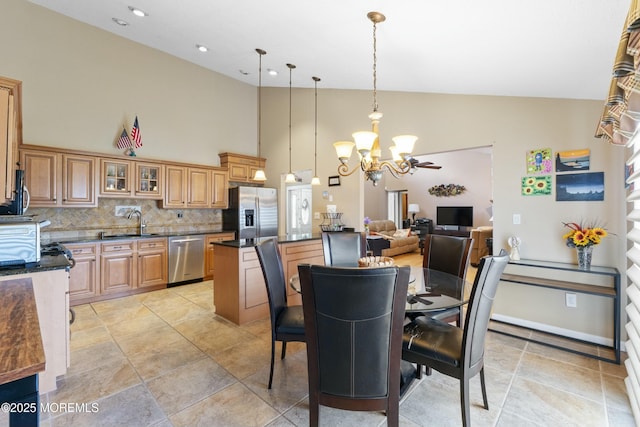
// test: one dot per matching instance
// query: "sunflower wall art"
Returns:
(536, 185)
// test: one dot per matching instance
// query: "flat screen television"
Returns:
(461, 216)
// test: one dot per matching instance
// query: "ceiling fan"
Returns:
(425, 165)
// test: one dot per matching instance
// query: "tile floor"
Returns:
(165, 359)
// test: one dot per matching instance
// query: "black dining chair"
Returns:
(287, 322)
(353, 324)
(343, 248)
(453, 351)
(448, 254)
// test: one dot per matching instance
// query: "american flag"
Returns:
(124, 141)
(135, 134)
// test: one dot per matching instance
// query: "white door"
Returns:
(299, 209)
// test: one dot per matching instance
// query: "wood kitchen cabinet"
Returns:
(83, 277)
(241, 168)
(198, 187)
(59, 180)
(294, 253)
(117, 266)
(115, 178)
(152, 262)
(219, 188)
(10, 134)
(175, 187)
(210, 251)
(149, 181)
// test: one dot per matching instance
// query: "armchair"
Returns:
(480, 248)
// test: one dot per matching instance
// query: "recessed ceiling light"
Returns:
(272, 72)
(120, 22)
(202, 48)
(138, 12)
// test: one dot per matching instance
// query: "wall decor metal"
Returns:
(447, 190)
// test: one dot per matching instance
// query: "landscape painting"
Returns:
(580, 187)
(572, 161)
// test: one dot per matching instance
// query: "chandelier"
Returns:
(367, 142)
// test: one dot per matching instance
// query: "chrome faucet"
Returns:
(137, 212)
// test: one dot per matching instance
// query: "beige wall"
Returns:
(81, 85)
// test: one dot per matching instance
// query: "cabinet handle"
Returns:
(117, 247)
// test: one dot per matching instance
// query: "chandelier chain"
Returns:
(375, 74)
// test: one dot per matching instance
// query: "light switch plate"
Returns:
(516, 219)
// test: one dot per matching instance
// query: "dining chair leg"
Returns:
(273, 354)
(393, 414)
(464, 401)
(484, 389)
(284, 349)
(314, 411)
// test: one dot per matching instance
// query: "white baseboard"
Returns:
(554, 330)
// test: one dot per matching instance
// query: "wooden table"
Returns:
(21, 352)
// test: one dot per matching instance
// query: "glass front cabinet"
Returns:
(116, 178)
(149, 180)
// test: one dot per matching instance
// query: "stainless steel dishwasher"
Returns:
(186, 259)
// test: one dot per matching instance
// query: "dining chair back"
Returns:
(353, 324)
(343, 248)
(453, 351)
(287, 322)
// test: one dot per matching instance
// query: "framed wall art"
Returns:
(334, 180)
(573, 161)
(536, 185)
(539, 162)
(586, 187)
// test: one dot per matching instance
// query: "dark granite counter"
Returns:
(249, 243)
(112, 237)
(47, 263)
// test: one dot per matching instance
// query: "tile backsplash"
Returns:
(82, 223)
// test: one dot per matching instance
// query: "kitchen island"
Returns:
(239, 291)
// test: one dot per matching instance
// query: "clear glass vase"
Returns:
(584, 257)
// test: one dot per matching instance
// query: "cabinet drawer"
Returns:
(128, 246)
(77, 251)
(145, 244)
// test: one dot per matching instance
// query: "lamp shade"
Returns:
(344, 149)
(364, 140)
(413, 208)
(404, 143)
(259, 176)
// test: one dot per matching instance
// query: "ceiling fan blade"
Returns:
(430, 167)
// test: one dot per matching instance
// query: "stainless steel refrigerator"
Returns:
(252, 212)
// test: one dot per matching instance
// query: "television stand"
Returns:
(456, 233)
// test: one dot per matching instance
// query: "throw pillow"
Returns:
(401, 233)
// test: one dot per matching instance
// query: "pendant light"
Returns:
(291, 178)
(315, 180)
(260, 175)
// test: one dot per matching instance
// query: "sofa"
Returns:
(480, 248)
(399, 241)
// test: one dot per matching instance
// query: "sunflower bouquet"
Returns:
(581, 235)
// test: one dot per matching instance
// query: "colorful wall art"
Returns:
(536, 185)
(573, 161)
(580, 187)
(539, 162)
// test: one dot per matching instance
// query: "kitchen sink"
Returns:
(126, 236)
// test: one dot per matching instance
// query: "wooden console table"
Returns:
(612, 292)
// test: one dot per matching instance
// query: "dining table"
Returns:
(429, 290)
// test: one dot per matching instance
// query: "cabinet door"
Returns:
(238, 172)
(83, 277)
(10, 134)
(219, 189)
(152, 262)
(41, 177)
(79, 181)
(115, 178)
(210, 252)
(176, 187)
(198, 188)
(117, 267)
(149, 181)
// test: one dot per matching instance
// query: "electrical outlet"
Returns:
(316, 215)
(571, 299)
(180, 214)
(516, 219)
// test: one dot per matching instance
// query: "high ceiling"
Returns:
(543, 48)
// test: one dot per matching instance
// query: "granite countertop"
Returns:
(47, 263)
(112, 237)
(21, 351)
(250, 243)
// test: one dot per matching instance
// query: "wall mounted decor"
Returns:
(539, 161)
(536, 185)
(446, 190)
(587, 187)
(334, 180)
(573, 161)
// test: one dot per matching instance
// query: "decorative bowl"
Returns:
(376, 261)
